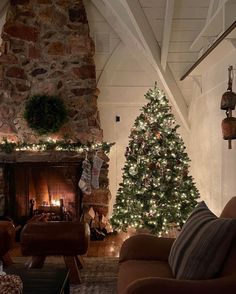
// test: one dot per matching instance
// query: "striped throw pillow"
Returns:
(201, 247)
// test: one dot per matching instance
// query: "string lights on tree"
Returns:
(156, 191)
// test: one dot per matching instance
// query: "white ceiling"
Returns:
(189, 17)
(170, 34)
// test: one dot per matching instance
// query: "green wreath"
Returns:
(45, 114)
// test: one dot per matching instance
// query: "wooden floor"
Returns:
(110, 246)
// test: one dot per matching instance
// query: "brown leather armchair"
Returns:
(144, 268)
(7, 240)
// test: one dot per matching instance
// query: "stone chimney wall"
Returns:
(47, 49)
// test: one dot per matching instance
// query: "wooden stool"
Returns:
(69, 239)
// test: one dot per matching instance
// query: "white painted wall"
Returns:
(213, 164)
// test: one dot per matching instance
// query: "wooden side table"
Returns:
(47, 280)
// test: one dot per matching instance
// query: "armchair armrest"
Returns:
(172, 286)
(145, 246)
(7, 241)
(7, 236)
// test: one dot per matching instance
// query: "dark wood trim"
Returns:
(209, 50)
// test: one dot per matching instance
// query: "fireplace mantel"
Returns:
(42, 157)
(47, 156)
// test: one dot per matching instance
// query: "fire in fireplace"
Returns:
(42, 188)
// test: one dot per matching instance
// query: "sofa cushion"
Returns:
(200, 249)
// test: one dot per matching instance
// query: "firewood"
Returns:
(103, 222)
(108, 228)
(95, 222)
(38, 218)
(91, 213)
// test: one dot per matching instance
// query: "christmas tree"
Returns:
(157, 192)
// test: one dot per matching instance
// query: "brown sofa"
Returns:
(144, 268)
(7, 240)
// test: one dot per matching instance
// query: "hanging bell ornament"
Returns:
(229, 128)
(228, 100)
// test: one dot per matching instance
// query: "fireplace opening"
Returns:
(42, 188)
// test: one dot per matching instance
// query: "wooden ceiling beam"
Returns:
(169, 13)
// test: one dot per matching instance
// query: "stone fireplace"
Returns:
(46, 49)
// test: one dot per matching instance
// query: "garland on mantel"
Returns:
(54, 145)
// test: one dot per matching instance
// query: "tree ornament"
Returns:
(133, 170)
(127, 151)
(158, 135)
(45, 114)
(158, 165)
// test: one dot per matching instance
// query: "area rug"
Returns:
(99, 275)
